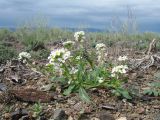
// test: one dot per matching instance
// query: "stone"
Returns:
(7, 115)
(141, 110)
(105, 116)
(18, 114)
(1, 69)
(122, 118)
(3, 87)
(15, 79)
(31, 95)
(83, 117)
(60, 114)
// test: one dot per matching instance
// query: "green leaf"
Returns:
(83, 95)
(150, 92)
(155, 93)
(126, 94)
(57, 79)
(146, 91)
(157, 75)
(69, 90)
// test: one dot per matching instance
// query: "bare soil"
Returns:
(21, 86)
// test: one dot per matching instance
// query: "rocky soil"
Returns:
(21, 86)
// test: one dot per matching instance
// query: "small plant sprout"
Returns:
(79, 36)
(37, 109)
(154, 89)
(24, 56)
(122, 58)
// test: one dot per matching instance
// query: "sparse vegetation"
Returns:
(153, 90)
(83, 63)
(6, 53)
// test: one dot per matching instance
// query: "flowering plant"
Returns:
(120, 69)
(79, 36)
(24, 56)
(79, 71)
(122, 58)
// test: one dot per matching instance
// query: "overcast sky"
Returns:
(76, 13)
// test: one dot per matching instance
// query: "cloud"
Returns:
(95, 13)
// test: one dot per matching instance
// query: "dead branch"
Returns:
(151, 47)
(150, 58)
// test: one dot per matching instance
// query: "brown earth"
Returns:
(21, 86)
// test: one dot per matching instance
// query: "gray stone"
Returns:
(60, 114)
(2, 69)
(3, 87)
(18, 114)
(105, 116)
(84, 117)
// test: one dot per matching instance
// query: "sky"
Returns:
(101, 14)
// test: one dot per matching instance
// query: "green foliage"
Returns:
(4, 33)
(157, 75)
(122, 93)
(32, 39)
(83, 95)
(40, 54)
(154, 89)
(37, 109)
(6, 53)
(8, 108)
(33, 34)
(81, 72)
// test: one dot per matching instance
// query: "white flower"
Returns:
(120, 69)
(100, 46)
(66, 55)
(113, 75)
(68, 43)
(100, 79)
(59, 54)
(57, 68)
(69, 82)
(99, 58)
(73, 70)
(122, 58)
(24, 55)
(56, 53)
(79, 36)
(78, 57)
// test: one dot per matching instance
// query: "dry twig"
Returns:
(150, 58)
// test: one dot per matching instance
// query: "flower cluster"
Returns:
(101, 52)
(23, 56)
(60, 55)
(101, 47)
(122, 58)
(78, 57)
(57, 57)
(79, 36)
(120, 69)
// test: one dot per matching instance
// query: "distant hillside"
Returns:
(71, 29)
